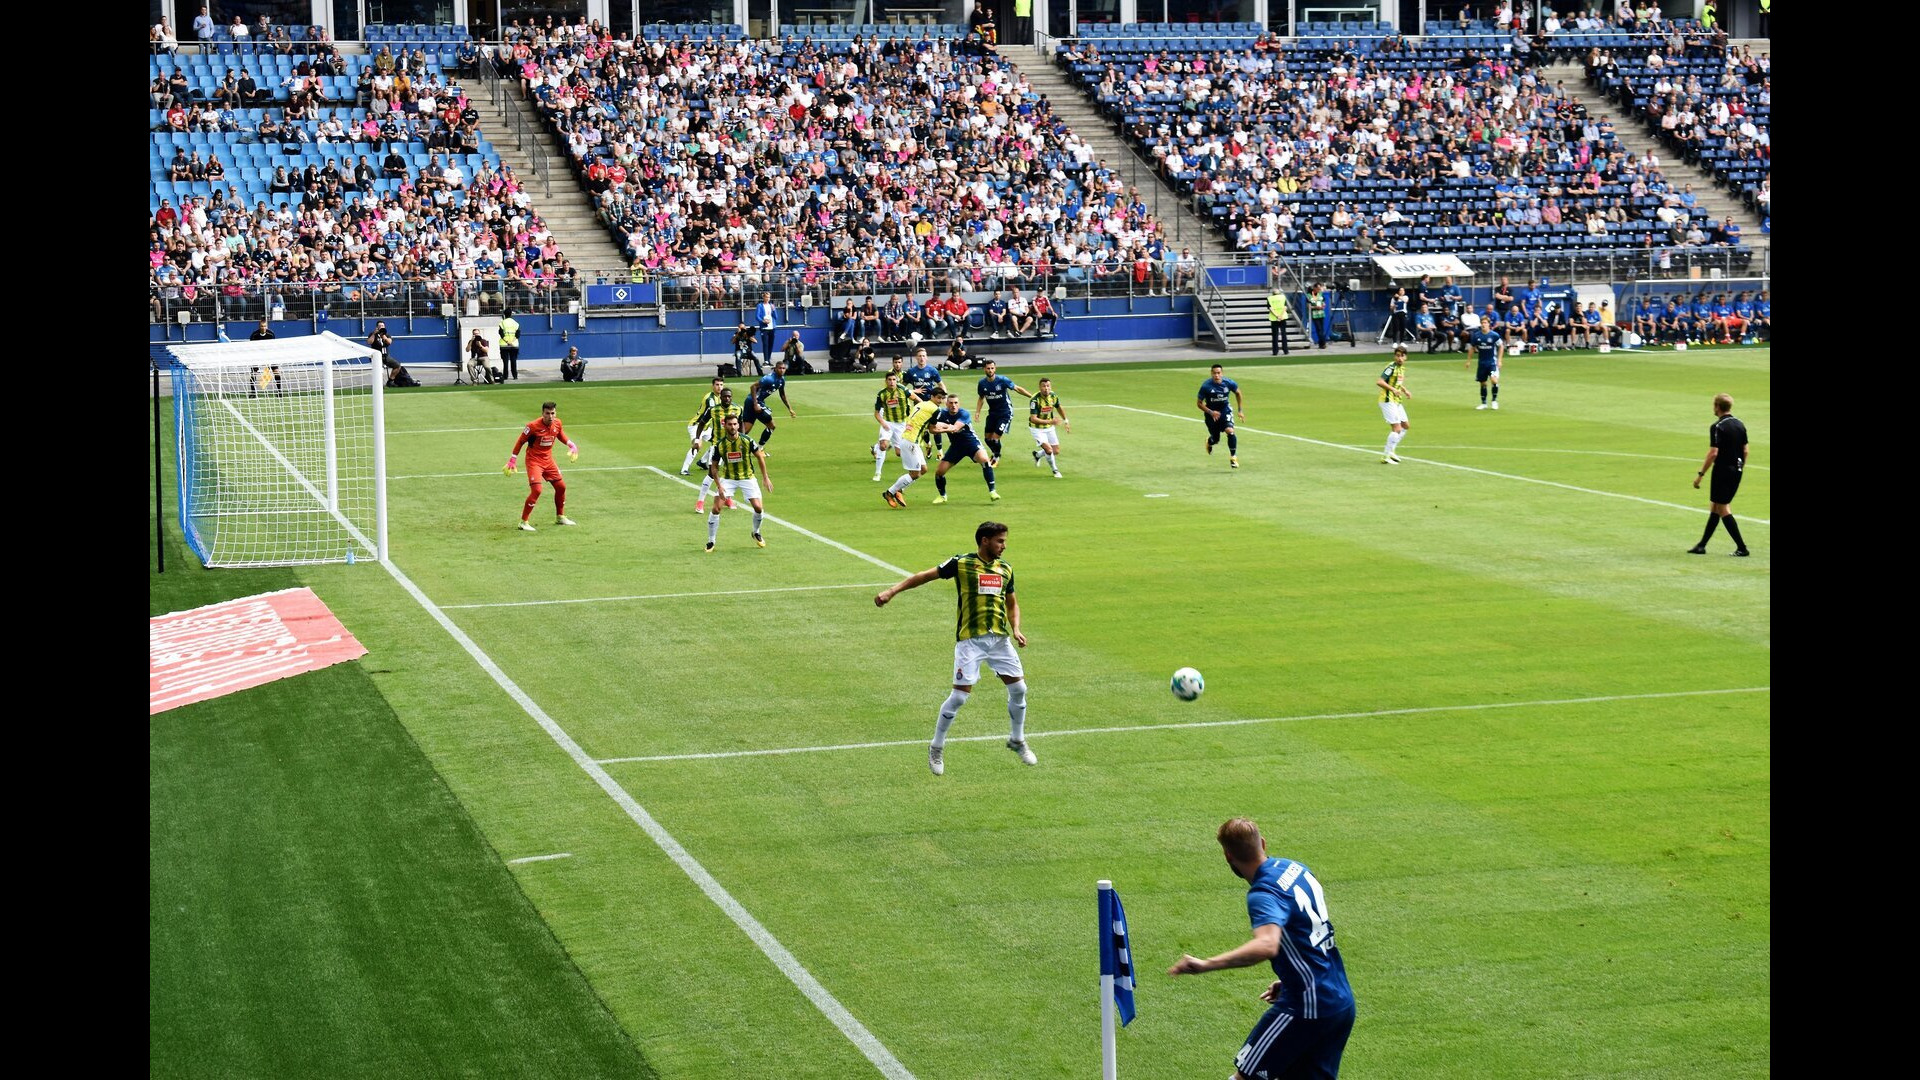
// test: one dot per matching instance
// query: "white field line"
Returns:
(668, 596)
(540, 858)
(610, 423)
(808, 533)
(1425, 461)
(789, 965)
(784, 960)
(497, 472)
(1595, 453)
(1128, 729)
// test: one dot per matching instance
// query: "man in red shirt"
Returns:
(539, 437)
(935, 313)
(957, 311)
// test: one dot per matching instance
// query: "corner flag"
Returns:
(1116, 954)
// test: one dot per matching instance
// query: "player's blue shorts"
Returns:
(1487, 370)
(998, 425)
(961, 446)
(1283, 1045)
(1218, 427)
(755, 414)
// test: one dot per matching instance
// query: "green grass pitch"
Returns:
(1487, 685)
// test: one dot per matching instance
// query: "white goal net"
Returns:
(281, 451)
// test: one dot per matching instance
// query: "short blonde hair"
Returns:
(1723, 403)
(1240, 839)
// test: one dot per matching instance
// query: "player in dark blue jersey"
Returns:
(1486, 342)
(756, 409)
(1304, 1032)
(923, 381)
(996, 400)
(1219, 400)
(957, 424)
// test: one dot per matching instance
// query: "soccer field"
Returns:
(1521, 737)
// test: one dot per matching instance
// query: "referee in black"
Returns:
(1727, 457)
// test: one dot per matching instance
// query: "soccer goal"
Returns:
(282, 452)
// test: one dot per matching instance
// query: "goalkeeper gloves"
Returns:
(512, 460)
(573, 452)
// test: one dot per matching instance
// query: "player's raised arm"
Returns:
(913, 581)
(1022, 391)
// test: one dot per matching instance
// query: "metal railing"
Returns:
(505, 99)
(349, 300)
(794, 289)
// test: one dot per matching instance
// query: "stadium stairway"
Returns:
(1235, 320)
(1184, 227)
(1635, 137)
(567, 209)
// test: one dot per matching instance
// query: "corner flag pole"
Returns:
(1109, 1052)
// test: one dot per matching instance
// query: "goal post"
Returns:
(281, 451)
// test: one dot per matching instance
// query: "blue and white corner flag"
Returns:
(1116, 953)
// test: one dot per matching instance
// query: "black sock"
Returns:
(765, 434)
(1483, 393)
(940, 484)
(1733, 530)
(1496, 391)
(988, 471)
(1233, 444)
(993, 446)
(1713, 522)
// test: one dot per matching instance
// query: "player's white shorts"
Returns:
(1045, 436)
(1395, 412)
(694, 433)
(912, 455)
(746, 489)
(995, 649)
(893, 432)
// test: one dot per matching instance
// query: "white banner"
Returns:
(1412, 266)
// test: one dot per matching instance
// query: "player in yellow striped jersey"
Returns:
(1046, 418)
(717, 416)
(732, 468)
(1393, 384)
(890, 408)
(986, 630)
(916, 442)
(697, 427)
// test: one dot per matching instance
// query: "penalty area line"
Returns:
(1424, 461)
(808, 533)
(1128, 729)
(669, 596)
(783, 959)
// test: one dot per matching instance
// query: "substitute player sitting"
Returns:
(732, 468)
(539, 437)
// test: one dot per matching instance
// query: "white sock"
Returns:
(948, 710)
(900, 485)
(706, 487)
(713, 527)
(687, 464)
(1053, 461)
(1017, 710)
(757, 515)
(1393, 440)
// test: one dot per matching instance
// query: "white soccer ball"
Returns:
(914, 337)
(1187, 684)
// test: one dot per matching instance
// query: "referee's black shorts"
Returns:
(1725, 483)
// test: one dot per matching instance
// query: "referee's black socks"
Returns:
(1733, 530)
(1713, 522)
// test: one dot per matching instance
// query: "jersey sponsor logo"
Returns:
(734, 455)
(990, 585)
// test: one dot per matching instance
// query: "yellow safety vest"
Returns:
(1277, 308)
(1022, 8)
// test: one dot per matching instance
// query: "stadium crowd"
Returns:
(897, 165)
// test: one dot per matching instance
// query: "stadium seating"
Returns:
(1728, 98)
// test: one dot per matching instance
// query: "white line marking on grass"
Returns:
(1596, 453)
(1425, 461)
(808, 533)
(668, 596)
(789, 965)
(1130, 728)
(540, 858)
(601, 424)
(497, 472)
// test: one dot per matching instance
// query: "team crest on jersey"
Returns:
(990, 585)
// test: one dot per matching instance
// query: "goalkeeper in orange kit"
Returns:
(539, 437)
